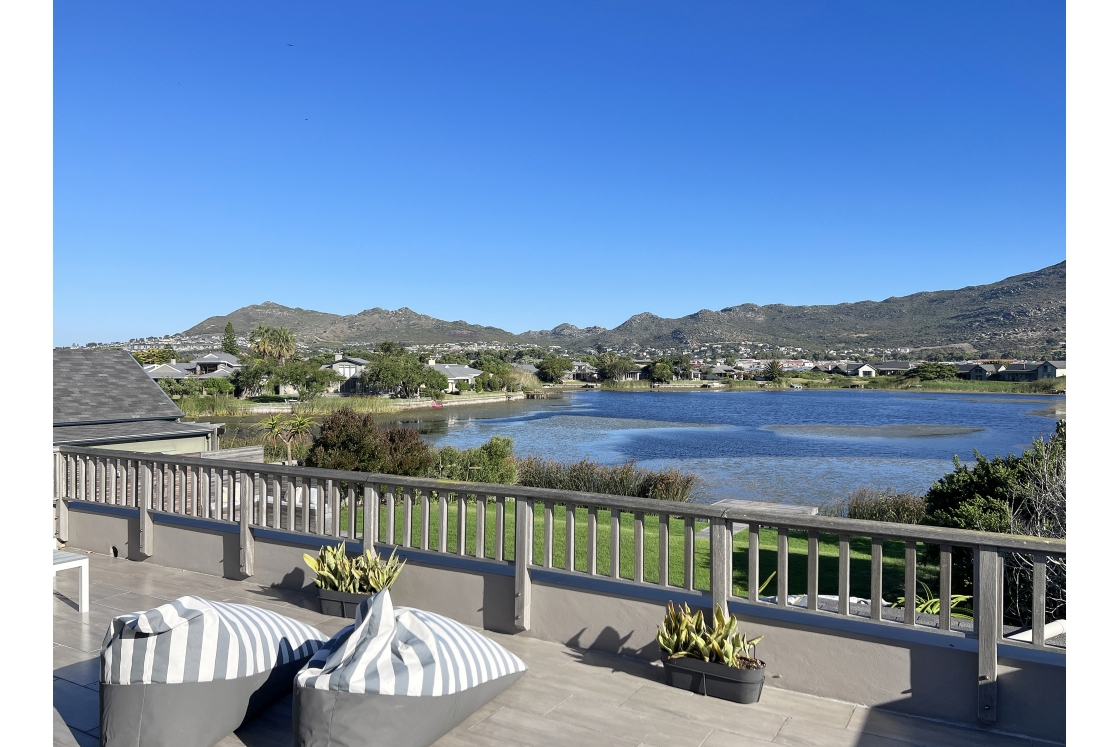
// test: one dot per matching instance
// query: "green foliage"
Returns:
(401, 374)
(612, 367)
(217, 386)
(229, 340)
(349, 440)
(684, 633)
(492, 462)
(661, 371)
(870, 504)
(272, 342)
(307, 378)
(195, 405)
(155, 355)
(291, 430)
(552, 370)
(935, 371)
(774, 370)
(930, 604)
(365, 574)
(619, 479)
(176, 388)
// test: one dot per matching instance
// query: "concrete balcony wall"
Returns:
(904, 669)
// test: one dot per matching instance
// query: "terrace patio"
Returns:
(568, 697)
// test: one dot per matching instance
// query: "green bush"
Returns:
(492, 462)
(592, 477)
(350, 440)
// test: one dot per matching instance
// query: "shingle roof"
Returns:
(1057, 364)
(455, 371)
(105, 386)
(226, 358)
(107, 433)
(167, 371)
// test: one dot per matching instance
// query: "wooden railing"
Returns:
(561, 531)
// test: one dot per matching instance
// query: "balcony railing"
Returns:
(683, 546)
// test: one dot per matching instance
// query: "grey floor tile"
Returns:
(926, 733)
(805, 733)
(789, 703)
(64, 736)
(521, 728)
(718, 714)
(79, 667)
(721, 738)
(655, 730)
(77, 635)
(78, 706)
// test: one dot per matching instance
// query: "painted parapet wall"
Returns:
(908, 670)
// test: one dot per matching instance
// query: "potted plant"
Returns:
(718, 661)
(344, 583)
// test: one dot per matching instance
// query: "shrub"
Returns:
(492, 462)
(621, 479)
(886, 505)
(350, 440)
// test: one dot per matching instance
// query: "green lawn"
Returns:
(860, 549)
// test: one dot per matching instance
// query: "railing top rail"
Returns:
(804, 522)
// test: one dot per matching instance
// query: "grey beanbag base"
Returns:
(189, 672)
(188, 714)
(329, 718)
(397, 677)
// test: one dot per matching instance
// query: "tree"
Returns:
(155, 355)
(935, 371)
(660, 371)
(681, 365)
(353, 441)
(308, 379)
(272, 342)
(553, 369)
(774, 370)
(612, 367)
(401, 374)
(229, 341)
(294, 429)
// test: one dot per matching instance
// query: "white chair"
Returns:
(64, 561)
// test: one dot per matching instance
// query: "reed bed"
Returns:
(614, 479)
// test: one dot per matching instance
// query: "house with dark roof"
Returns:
(977, 371)
(1019, 372)
(214, 363)
(104, 398)
(893, 368)
(1051, 369)
(350, 370)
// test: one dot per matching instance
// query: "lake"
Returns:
(799, 447)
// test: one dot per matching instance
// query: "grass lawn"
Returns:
(860, 549)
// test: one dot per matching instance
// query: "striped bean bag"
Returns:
(189, 672)
(397, 676)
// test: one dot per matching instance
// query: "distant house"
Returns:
(172, 370)
(350, 369)
(720, 371)
(1019, 372)
(458, 377)
(526, 367)
(977, 371)
(222, 364)
(636, 373)
(1051, 369)
(583, 371)
(893, 368)
(104, 398)
(862, 370)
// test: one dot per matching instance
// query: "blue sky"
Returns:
(527, 164)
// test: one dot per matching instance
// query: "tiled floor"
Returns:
(567, 697)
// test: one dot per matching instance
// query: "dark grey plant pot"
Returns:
(717, 680)
(340, 604)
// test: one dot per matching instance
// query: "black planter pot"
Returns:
(717, 680)
(340, 604)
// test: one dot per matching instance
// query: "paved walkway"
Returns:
(567, 697)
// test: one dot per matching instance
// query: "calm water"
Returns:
(800, 447)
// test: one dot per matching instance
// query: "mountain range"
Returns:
(1021, 315)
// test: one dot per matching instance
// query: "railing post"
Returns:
(522, 587)
(62, 515)
(370, 515)
(144, 502)
(720, 566)
(989, 627)
(248, 551)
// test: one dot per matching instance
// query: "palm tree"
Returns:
(275, 431)
(283, 343)
(260, 341)
(299, 430)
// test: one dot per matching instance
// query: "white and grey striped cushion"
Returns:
(405, 651)
(193, 640)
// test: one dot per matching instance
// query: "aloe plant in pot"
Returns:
(344, 583)
(717, 661)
